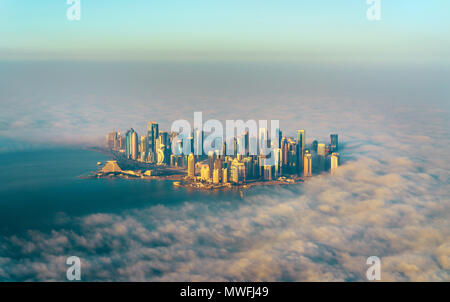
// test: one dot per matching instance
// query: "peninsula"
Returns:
(228, 164)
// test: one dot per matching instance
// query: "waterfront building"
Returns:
(204, 173)
(261, 160)
(224, 175)
(237, 172)
(218, 165)
(111, 166)
(268, 172)
(191, 166)
(131, 144)
(216, 176)
(248, 163)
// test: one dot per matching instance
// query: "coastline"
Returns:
(178, 175)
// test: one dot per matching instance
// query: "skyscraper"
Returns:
(241, 145)
(307, 171)
(280, 137)
(262, 140)
(268, 172)
(110, 139)
(128, 143)
(246, 142)
(191, 165)
(134, 146)
(131, 144)
(334, 143)
(163, 148)
(216, 176)
(321, 150)
(301, 139)
(314, 145)
(113, 141)
(320, 160)
(198, 142)
(334, 162)
(204, 173)
(237, 172)
(224, 175)
(143, 148)
(190, 147)
(224, 148)
(211, 160)
(300, 150)
(284, 153)
(152, 134)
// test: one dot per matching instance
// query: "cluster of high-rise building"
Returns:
(292, 157)
(115, 141)
(151, 148)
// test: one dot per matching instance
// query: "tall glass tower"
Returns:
(300, 150)
(152, 136)
(131, 149)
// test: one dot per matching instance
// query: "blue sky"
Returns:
(245, 29)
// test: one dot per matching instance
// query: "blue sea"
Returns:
(39, 188)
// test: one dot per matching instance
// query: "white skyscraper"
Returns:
(334, 162)
(307, 171)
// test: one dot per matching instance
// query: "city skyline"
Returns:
(251, 157)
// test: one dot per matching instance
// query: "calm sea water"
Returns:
(37, 188)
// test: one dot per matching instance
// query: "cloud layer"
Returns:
(389, 199)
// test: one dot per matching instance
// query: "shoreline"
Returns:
(179, 176)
